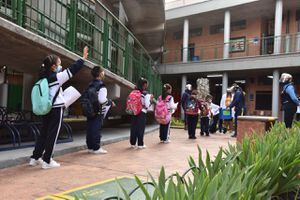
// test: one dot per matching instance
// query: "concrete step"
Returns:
(109, 135)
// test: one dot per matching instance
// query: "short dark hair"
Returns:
(96, 71)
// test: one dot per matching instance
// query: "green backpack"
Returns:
(40, 98)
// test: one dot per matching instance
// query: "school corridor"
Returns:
(80, 168)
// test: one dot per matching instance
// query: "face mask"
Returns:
(58, 69)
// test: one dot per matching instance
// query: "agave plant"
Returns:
(258, 168)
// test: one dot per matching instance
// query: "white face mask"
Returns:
(58, 69)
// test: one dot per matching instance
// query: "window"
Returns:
(178, 35)
(238, 25)
(191, 52)
(215, 29)
(234, 26)
(263, 100)
(195, 32)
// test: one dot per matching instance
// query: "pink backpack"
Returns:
(134, 103)
(162, 115)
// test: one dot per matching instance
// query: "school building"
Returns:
(249, 42)
(125, 37)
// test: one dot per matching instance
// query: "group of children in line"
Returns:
(95, 105)
(212, 115)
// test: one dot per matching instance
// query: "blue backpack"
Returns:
(40, 97)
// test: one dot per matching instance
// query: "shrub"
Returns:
(258, 168)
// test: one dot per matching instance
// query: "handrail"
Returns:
(237, 48)
(76, 23)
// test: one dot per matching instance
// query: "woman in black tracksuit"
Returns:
(52, 70)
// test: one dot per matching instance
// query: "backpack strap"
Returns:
(55, 96)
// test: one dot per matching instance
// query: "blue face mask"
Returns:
(58, 69)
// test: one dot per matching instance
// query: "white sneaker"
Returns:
(100, 151)
(142, 147)
(52, 164)
(33, 162)
(133, 146)
(167, 141)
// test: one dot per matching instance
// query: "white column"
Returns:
(185, 44)
(183, 84)
(275, 93)
(226, 34)
(224, 82)
(278, 26)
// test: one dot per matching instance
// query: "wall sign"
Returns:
(237, 44)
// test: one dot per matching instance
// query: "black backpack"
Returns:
(89, 99)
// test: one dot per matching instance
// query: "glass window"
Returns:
(238, 25)
(263, 100)
(195, 32)
(178, 35)
(234, 26)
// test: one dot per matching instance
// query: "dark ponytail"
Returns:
(165, 89)
(141, 83)
(48, 62)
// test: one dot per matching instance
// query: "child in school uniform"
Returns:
(192, 114)
(138, 122)
(52, 70)
(204, 117)
(164, 129)
(94, 124)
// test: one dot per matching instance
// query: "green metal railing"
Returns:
(74, 24)
(238, 48)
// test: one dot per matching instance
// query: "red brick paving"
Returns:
(80, 168)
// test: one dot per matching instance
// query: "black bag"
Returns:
(89, 100)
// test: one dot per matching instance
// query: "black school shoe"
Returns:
(192, 137)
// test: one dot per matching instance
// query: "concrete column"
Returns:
(298, 42)
(185, 40)
(3, 94)
(278, 26)
(275, 93)
(183, 84)
(226, 34)
(224, 82)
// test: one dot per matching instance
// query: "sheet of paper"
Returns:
(70, 96)
(298, 109)
(105, 110)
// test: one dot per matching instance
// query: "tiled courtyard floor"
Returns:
(80, 168)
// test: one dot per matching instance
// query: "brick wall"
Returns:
(209, 46)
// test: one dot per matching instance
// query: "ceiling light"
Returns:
(214, 75)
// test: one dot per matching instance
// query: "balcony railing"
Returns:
(76, 23)
(238, 48)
